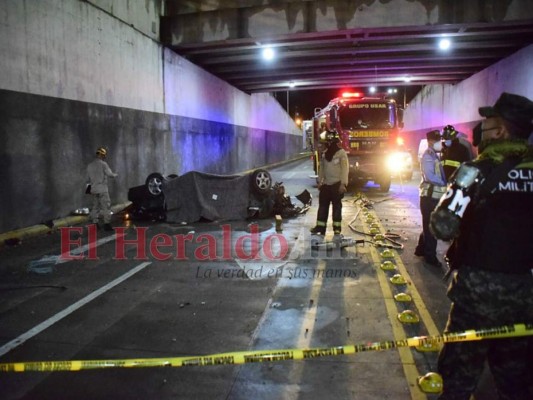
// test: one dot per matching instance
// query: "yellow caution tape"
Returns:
(256, 356)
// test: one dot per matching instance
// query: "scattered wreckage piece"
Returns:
(283, 205)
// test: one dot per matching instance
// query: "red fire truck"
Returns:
(369, 131)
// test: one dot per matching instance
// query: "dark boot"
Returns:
(318, 230)
(433, 261)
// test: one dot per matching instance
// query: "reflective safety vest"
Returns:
(427, 189)
(451, 163)
(453, 156)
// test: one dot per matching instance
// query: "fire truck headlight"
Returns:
(397, 162)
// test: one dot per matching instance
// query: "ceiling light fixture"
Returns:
(445, 44)
(268, 53)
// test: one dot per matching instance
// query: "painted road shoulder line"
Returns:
(69, 310)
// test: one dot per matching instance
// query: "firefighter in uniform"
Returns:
(431, 189)
(98, 171)
(454, 151)
(487, 210)
(332, 182)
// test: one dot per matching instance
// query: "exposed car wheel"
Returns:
(384, 184)
(154, 184)
(261, 181)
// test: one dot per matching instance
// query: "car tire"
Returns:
(261, 181)
(154, 184)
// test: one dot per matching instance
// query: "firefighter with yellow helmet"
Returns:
(332, 182)
(98, 171)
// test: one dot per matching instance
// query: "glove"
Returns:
(446, 218)
(444, 224)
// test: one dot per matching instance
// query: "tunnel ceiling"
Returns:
(360, 57)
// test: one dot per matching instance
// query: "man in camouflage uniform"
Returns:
(487, 209)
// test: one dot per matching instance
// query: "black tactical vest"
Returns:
(497, 229)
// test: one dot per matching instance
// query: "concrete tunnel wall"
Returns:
(79, 74)
(76, 75)
(439, 105)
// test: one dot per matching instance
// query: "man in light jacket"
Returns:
(333, 179)
(98, 171)
(432, 187)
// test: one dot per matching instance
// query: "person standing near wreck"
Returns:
(432, 187)
(487, 213)
(332, 183)
(98, 171)
(455, 150)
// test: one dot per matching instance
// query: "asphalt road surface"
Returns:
(139, 296)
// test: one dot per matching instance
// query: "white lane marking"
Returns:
(67, 256)
(288, 175)
(69, 310)
(82, 249)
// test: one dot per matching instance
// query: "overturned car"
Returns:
(197, 196)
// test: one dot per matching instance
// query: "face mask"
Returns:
(447, 143)
(437, 146)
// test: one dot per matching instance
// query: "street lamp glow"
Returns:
(372, 89)
(292, 84)
(407, 79)
(268, 53)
